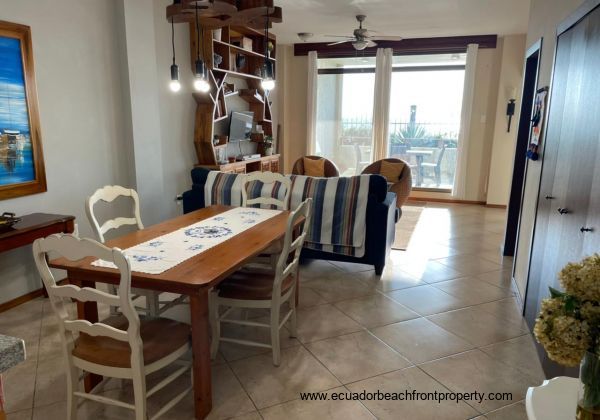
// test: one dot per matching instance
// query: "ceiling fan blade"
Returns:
(371, 44)
(387, 38)
(339, 42)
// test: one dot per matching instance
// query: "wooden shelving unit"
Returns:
(237, 63)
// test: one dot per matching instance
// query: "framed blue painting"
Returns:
(21, 158)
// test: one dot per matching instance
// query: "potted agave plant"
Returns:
(568, 327)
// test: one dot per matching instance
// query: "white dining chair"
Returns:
(270, 179)
(273, 182)
(251, 289)
(108, 194)
(123, 346)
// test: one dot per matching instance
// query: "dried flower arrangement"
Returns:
(568, 327)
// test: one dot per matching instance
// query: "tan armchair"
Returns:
(331, 171)
(402, 187)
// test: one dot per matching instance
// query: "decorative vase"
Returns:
(268, 151)
(217, 60)
(588, 401)
(217, 34)
(240, 61)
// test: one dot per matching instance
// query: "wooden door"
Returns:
(571, 161)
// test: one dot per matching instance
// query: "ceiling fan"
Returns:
(362, 37)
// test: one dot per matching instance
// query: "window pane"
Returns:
(424, 124)
(344, 118)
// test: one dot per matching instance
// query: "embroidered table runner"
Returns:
(165, 252)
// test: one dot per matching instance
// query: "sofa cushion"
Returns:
(391, 170)
(314, 167)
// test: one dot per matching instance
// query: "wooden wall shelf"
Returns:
(212, 107)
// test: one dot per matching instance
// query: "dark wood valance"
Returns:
(410, 46)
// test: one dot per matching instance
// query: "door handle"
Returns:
(585, 229)
(549, 197)
(563, 211)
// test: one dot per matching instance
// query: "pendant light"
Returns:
(201, 81)
(174, 85)
(268, 80)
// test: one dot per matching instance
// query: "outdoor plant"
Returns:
(568, 326)
(413, 131)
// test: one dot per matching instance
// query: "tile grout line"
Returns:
(37, 360)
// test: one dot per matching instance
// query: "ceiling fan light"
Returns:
(305, 36)
(360, 44)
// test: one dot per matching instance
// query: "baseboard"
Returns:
(27, 297)
(496, 206)
(21, 299)
(445, 200)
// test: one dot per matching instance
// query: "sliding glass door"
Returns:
(425, 108)
(425, 111)
(344, 113)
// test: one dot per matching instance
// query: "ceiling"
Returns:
(406, 18)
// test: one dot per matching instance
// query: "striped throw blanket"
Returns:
(339, 213)
(338, 222)
(226, 189)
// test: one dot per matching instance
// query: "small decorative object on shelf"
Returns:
(240, 61)
(228, 88)
(268, 145)
(242, 42)
(270, 48)
(217, 59)
(568, 327)
(8, 219)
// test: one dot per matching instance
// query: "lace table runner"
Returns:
(165, 252)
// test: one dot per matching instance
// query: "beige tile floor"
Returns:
(443, 316)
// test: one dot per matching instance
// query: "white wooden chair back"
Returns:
(285, 266)
(75, 249)
(267, 178)
(109, 194)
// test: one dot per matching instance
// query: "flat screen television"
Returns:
(240, 126)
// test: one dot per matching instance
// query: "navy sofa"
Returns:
(382, 215)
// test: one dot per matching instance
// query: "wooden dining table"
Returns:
(194, 277)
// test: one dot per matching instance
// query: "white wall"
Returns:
(544, 17)
(107, 116)
(177, 111)
(504, 142)
(76, 58)
(292, 75)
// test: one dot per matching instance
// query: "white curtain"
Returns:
(460, 176)
(311, 103)
(381, 103)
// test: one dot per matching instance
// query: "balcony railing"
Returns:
(429, 148)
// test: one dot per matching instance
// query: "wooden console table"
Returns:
(30, 228)
(263, 164)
